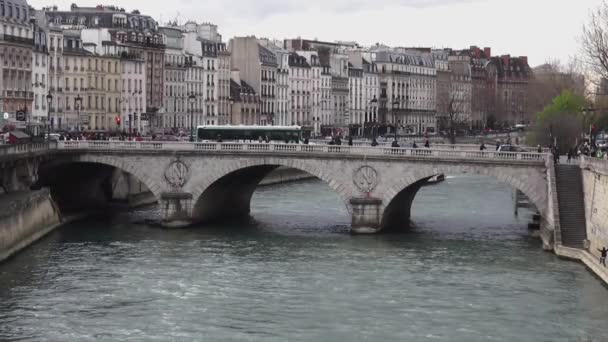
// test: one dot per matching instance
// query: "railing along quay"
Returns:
(237, 148)
(17, 149)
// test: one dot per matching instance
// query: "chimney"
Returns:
(487, 51)
(524, 60)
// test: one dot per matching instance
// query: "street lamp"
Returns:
(191, 98)
(373, 103)
(77, 103)
(395, 103)
(49, 100)
(231, 100)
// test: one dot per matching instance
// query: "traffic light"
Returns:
(118, 120)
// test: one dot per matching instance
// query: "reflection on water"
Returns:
(468, 271)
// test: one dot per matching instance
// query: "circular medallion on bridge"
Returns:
(366, 178)
(177, 173)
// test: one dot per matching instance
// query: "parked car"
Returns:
(602, 144)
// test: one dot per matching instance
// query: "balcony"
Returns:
(15, 39)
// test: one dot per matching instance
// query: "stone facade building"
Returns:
(409, 101)
(40, 74)
(246, 103)
(513, 77)
(174, 114)
(16, 45)
(282, 95)
(300, 87)
(223, 87)
(138, 34)
(258, 68)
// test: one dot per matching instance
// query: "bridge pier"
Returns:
(366, 215)
(176, 209)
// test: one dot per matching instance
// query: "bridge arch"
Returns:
(227, 190)
(399, 194)
(119, 163)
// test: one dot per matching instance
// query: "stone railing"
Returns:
(439, 146)
(299, 149)
(19, 149)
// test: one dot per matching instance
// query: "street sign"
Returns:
(20, 115)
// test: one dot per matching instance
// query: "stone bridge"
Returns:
(197, 182)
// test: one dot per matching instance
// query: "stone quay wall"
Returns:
(595, 182)
(25, 217)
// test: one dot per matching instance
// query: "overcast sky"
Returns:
(540, 29)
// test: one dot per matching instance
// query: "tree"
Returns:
(551, 79)
(453, 118)
(594, 43)
(563, 120)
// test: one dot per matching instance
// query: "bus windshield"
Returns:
(283, 134)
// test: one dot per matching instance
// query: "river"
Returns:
(468, 270)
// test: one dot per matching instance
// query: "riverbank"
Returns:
(595, 186)
(26, 217)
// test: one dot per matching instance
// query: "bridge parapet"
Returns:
(23, 149)
(300, 150)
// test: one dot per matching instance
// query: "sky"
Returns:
(543, 30)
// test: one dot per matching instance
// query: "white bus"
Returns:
(281, 134)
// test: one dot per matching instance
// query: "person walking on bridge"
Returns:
(603, 255)
(483, 147)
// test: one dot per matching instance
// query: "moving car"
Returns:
(510, 148)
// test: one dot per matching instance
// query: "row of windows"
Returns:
(12, 10)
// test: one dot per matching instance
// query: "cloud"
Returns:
(265, 8)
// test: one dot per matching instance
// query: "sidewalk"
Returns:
(589, 260)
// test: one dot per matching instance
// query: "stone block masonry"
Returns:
(595, 183)
(25, 217)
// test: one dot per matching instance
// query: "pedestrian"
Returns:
(414, 145)
(305, 141)
(427, 144)
(374, 142)
(483, 147)
(395, 144)
(539, 149)
(260, 139)
(569, 155)
(497, 145)
(350, 141)
(219, 138)
(555, 155)
(603, 255)
(338, 141)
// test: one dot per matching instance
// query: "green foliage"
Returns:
(563, 120)
(566, 103)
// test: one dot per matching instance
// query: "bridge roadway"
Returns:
(197, 182)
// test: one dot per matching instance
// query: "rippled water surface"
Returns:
(469, 271)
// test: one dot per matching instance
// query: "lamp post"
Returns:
(175, 114)
(373, 103)
(231, 100)
(77, 103)
(49, 100)
(395, 103)
(191, 99)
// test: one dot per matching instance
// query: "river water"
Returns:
(468, 271)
